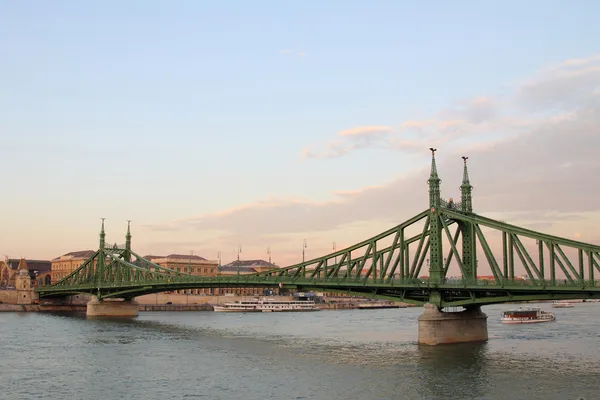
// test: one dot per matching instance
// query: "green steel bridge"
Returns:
(446, 235)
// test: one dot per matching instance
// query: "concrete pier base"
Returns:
(111, 308)
(437, 327)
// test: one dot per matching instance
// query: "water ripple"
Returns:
(330, 355)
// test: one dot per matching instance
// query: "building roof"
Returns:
(77, 254)
(231, 268)
(40, 266)
(176, 257)
(250, 264)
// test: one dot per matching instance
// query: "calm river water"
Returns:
(333, 355)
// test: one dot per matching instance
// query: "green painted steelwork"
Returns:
(387, 265)
(436, 270)
(465, 190)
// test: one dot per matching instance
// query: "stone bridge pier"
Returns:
(112, 308)
(438, 327)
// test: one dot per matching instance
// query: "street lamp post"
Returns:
(303, 253)
(335, 258)
(219, 263)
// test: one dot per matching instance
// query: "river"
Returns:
(329, 355)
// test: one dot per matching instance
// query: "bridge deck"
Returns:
(452, 294)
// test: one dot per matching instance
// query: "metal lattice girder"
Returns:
(351, 262)
(537, 270)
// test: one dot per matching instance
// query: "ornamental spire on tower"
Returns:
(434, 182)
(128, 236)
(466, 172)
(434, 174)
(465, 189)
(128, 242)
(102, 235)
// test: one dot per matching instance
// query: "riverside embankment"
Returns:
(9, 302)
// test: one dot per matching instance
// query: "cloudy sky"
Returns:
(212, 125)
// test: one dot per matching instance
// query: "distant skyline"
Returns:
(263, 124)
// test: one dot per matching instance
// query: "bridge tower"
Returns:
(436, 267)
(435, 325)
(111, 308)
(465, 190)
(469, 256)
(102, 235)
(101, 261)
(127, 255)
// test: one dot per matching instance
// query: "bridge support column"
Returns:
(437, 327)
(112, 308)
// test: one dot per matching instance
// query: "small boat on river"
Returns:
(527, 315)
(562, 304)
(267, 305)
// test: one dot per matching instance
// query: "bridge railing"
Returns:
(507, 282)
(240, 279)
(251, 280)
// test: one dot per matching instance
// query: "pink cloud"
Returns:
(451, 123)
(365, 130)
(346, 193)
(417, 124)
(536, 170)
(553, 93)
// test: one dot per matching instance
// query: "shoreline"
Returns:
(342, 305)
(76, 308)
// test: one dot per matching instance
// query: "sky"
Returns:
(217, 125)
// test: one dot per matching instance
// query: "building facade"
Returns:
(67, 263)
(39, 272)
(244, 267)
(188, 264)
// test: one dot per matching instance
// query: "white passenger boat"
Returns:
(267, 305)
(527, 315)
(562, 304)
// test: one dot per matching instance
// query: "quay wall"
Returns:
(11, 300)
(8, 296)
(38, 308)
